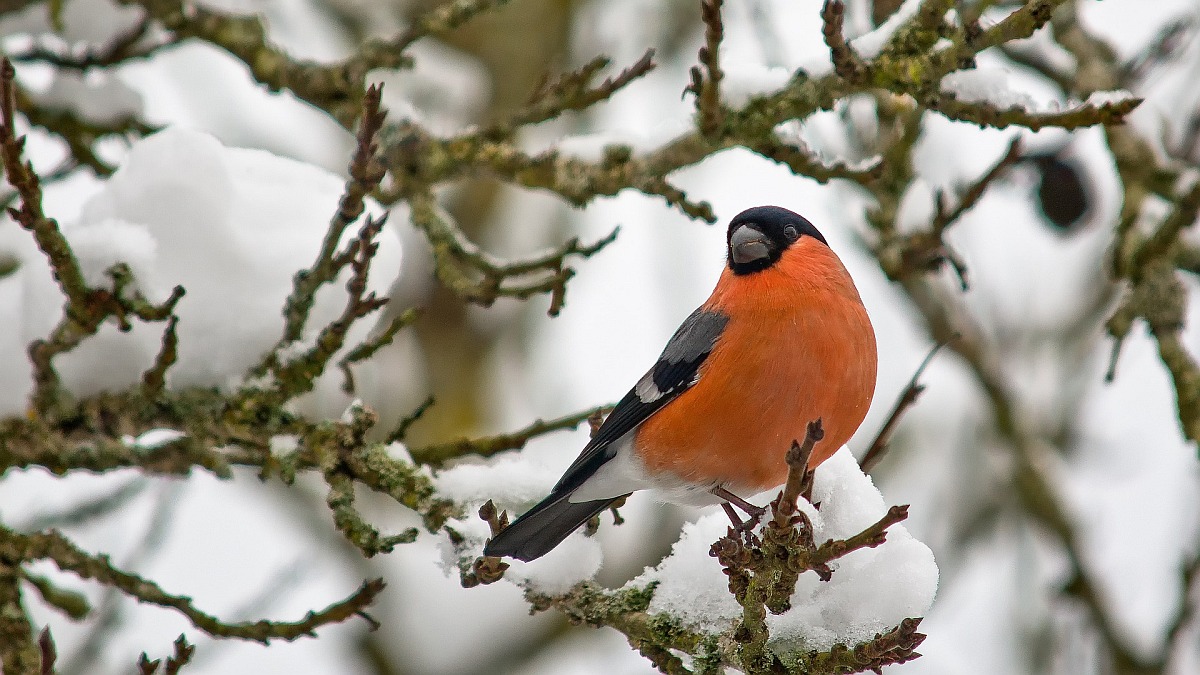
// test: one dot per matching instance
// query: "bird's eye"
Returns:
(791, 233)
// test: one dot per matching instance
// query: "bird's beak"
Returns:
(748, 244)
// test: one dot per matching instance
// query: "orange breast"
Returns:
(798, 346)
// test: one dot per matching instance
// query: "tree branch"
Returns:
(53, 546)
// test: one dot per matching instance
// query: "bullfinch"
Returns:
(783, 340)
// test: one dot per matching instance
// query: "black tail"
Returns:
(543, 527)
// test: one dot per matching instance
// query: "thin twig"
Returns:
(401, 431)
(908, 396)
(490, 445)
(846, 63)
(706, 77)
(571, 91)
(944, 217)
(48, 650)
(800, 474)
(477, 277)
(365, 175)
(58, 549)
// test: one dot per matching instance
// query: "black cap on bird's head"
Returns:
(759, 236)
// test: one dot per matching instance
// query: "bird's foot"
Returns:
(754, 512)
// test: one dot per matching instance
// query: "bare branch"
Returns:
(907, 398)
(846, 63)
(706, 77)
(181, 657)
(480, 278)
(53, 546)
(491, 445)
(800, 474)
(944, 217)
(572, 91)
(365, 175)
(122, 48)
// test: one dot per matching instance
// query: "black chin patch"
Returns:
(781, 226)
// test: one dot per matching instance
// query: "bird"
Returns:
(783, 340)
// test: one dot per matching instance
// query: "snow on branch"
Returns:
(87, 307)
(746, 600)
(1105, 110)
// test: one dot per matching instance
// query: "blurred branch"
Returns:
(79, 133)
(846, 62)
(1145, 263)
(487, 446)
(944, 319)
(337, 88)
(572, 91)
(51, 545)
(10, 6)
(122, 48)
(988, 115)
(478, 277)
(181, 657)
(18, 651)
(706, 77)
(107, 618)
(908, 397)
(1034, 486)
(1189, 607)
(49, 654)
(86, 510)
(71, 603)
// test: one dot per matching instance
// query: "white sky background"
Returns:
(1133, 482)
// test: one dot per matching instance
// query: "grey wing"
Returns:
(676, 370)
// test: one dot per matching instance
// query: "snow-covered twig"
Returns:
(987, 115)
(763, 568)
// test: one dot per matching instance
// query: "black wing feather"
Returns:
(545, 525)
(676, 370)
